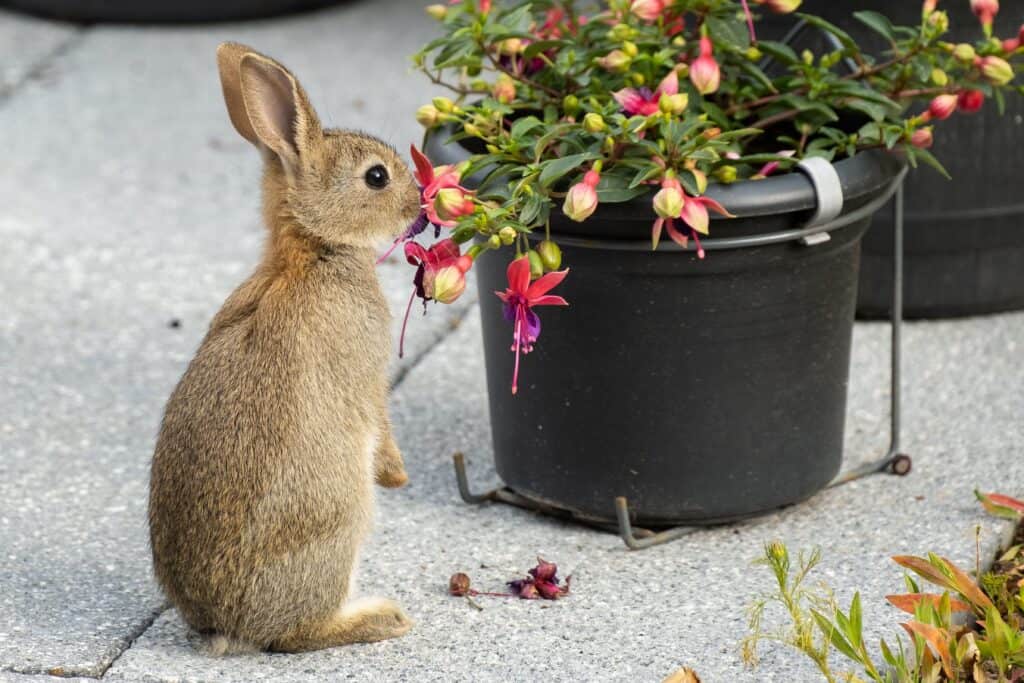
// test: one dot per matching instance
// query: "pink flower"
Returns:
(693, 211)
(520, 297)
(942, 107)
(581, 201)
(971, 101)
(642, 101)
(648, 10)
(440, 276)
(704, 72)
(985, 10)
(434, 181)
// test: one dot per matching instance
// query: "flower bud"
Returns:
(438, 12)
(472, 130)
(444, 105)
(504, 89)
(964, 52)
(450, 203)
(507, 235)
(970, 101)
(637, 78)
(581, 201)
(493, 242)
(550, 255)
(700, 179)
(996, 70)
(615, 61)
(593, 123)
(621, 32)
(630, 48)
(428, 116)
(669, 200)
(780, 6)
(536, 265)
(674, 104)
(704, 72)
(940, 78)
(939, 21)
(510, 46)
(807, 57)
(922, 138)
(444, 284)
(458, 585)
(647, 10)
(942, 107)
(752, 53)
(571, 104)
(726, 174)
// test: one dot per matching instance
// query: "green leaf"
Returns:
(524, 125)
(535, 48)
(929, 158)
(874, 111)
(780, 52)
(877, 22)
(848, 42)
(856, 621)
(834, 636)
(555, 169)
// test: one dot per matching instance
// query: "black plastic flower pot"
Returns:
(161, 11)
(702, 390)
(964, 247)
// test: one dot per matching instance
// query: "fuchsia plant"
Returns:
(653, 98)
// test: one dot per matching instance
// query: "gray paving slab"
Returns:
(639, 616)
(10, 677)
(130, 210)
(26, 44)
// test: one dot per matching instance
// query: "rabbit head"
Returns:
(342, 187)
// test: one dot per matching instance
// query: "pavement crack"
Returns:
(414, 361)
(38, 69)
(134, 636)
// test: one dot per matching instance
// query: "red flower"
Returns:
(971, 101)
(440, 276)
(434, 181)
(520, 298)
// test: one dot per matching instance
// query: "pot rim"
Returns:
(863, 177)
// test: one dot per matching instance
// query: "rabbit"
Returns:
(261, 486)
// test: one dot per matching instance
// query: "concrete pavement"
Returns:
(127, 202)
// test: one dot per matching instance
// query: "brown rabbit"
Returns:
(262, 481)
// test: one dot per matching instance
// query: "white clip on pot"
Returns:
(829, 193)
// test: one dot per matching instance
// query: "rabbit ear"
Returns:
(278, 111)
(229, 62)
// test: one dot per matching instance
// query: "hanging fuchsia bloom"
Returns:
(581, 201)
(671, 203)
(444, 199)
(520, 298)
(440, 276)
(704, 72)
(642, 101)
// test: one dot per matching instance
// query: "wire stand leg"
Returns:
(893, 461)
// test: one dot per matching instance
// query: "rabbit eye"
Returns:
(377, 177)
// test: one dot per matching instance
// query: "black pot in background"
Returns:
(161, 11)
(702, 390)
(964, 239)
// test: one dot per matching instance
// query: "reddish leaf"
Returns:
(909, 601)
(967, 587)
(1000, 505)
(921, 566)
(937, 638)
